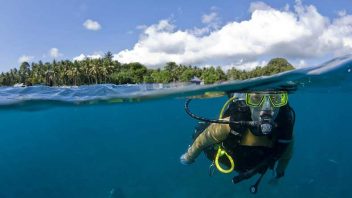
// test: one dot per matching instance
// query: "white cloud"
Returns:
(299, 34)
(209, 18)
(141, 27)
(241, 65)
(95, 56)
(92, 25)
(54, 53)
(25, 58)
(81, 57)
(200, 31)
(162, 26)
(342, 13)
(259, 5)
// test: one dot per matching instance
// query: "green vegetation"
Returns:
(106, 70)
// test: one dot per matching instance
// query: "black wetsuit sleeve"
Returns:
(285, 121)
(284, 144)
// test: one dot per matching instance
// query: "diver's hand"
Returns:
(184, 159)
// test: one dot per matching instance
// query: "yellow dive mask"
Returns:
(277, 99)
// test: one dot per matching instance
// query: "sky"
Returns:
(227, 33)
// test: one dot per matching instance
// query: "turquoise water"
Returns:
(92, 142)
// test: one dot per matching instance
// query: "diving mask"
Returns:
(264, 108)
(277, 99)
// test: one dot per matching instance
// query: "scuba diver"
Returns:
(253, 134)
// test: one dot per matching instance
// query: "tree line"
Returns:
(106, 70)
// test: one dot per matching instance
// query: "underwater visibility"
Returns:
(116, 141)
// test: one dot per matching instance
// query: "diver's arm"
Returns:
(286, 141)
(213, 134)
(284, 160)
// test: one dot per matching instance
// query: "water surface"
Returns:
(125, 141)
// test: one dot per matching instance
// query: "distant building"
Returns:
(195, 80)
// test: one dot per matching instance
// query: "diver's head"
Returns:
(264, 107)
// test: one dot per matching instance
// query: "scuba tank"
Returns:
(240, 121)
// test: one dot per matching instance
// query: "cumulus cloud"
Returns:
(211, 22)
(209, 18)
(259, 5)
(300, 33)
(92, 25)
(81, 57)
(54, 53)
(25, 58)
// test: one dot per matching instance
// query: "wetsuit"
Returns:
(249, 150)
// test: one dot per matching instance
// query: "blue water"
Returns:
(94, 140)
